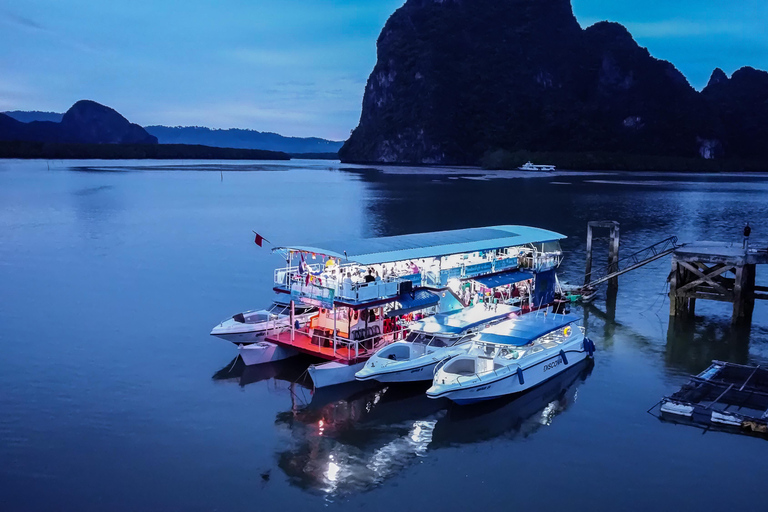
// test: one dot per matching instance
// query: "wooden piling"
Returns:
(613, 250)
(703, 270)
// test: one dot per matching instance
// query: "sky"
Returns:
(295, 67)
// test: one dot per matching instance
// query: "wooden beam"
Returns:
(708, 278)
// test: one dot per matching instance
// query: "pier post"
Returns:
(588, 268)
(613, 250)
(613, 255)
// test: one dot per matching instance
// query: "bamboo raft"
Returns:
(725, 396)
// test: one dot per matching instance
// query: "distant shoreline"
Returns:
(596, 161)
(63, 151)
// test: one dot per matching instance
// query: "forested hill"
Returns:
(456, 81)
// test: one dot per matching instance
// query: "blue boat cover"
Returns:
(369, 251)
(461, 320)
(496, 280)
(525, 328)
(414, 301)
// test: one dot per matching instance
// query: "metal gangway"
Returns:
(631, 262)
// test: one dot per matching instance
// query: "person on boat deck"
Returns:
(377, 278)
(346, 279)
(415, 268)
(369, 277)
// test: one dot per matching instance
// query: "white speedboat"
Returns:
(432, 340)
(512, 356)
(530, 166)
(252, 326)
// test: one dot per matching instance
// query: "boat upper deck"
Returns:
(370, 251)
(360, 271)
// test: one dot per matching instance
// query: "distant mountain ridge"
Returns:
(27, 116)
(237, 138)
(242, 139)
(457, 81)
(86, 122)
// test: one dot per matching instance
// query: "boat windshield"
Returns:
(419, 338)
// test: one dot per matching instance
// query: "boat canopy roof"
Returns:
(370, 251)
(461, 320)
(524, 329)
(414, 301)
(496, 280)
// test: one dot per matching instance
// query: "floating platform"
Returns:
(725, 396)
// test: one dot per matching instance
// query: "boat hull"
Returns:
(242, 338)
(333, 373)
(264, 352)
(511, 384)
(413, 373)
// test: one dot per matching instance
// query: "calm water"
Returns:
(114, 397)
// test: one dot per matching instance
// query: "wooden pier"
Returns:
(715, 271)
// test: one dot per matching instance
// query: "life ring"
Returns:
(567, 331)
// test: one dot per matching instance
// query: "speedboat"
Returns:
(530, 166)
(512, 356)
(252, 326)
(430, 341)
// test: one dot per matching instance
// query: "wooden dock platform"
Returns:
(720, 271)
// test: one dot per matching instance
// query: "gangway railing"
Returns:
(631, 262)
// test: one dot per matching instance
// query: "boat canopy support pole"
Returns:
(334, 329)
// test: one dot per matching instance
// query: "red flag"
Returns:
(259, 240)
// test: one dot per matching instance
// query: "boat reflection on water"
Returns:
(293, 370)
(512, 418)
(338, 447)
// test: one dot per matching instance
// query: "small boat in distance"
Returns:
(512, 356)
(430, 341)
(530, 166)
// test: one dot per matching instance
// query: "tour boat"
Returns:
(430, 341)
(512, 356)
(368, 292)
(530, 166)
(251, 326)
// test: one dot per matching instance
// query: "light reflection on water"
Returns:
(340, 446)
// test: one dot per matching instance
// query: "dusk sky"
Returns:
(296, 67)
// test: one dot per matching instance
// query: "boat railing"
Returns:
(364, 346)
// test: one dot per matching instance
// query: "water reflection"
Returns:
(343, 446)
(692, 345)
(293, 370)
